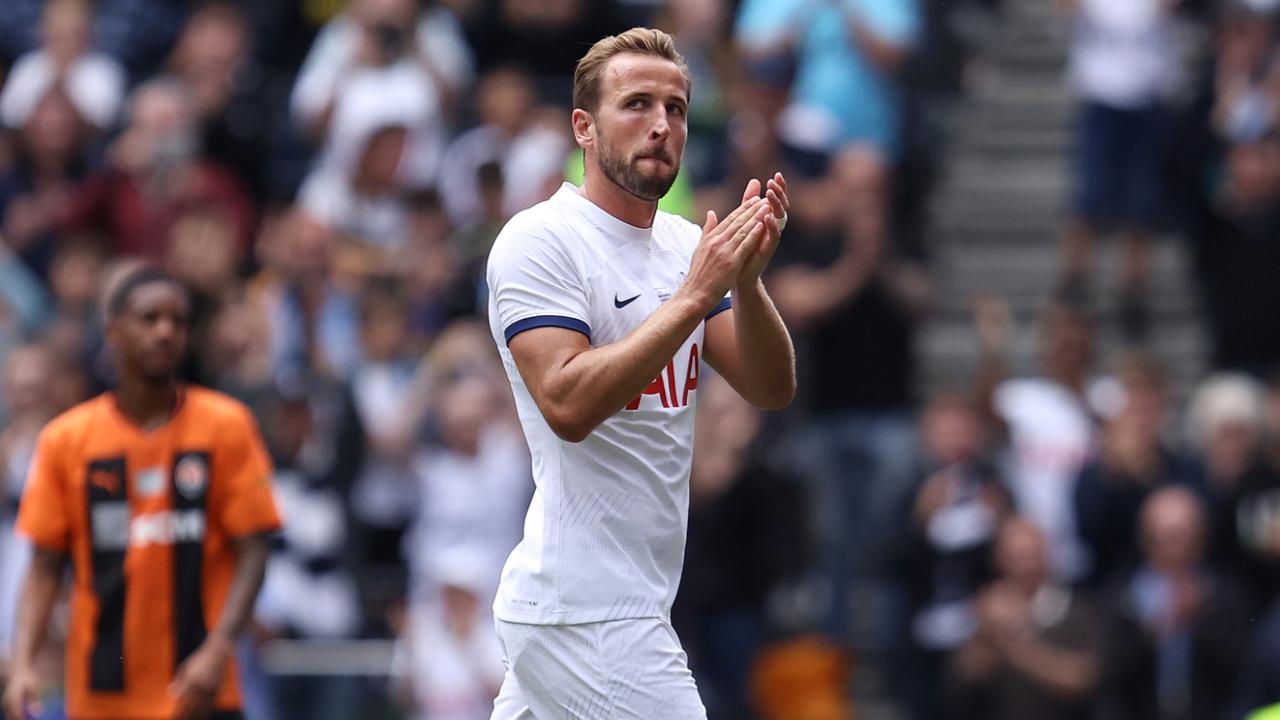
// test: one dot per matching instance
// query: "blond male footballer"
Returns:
(604, 308)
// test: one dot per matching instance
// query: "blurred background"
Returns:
(1034, 466)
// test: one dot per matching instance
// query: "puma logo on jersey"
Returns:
(105, 480)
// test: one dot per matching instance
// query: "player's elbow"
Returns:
(777, 398)
(776, 395)
(568, 424)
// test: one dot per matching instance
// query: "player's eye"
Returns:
(636, 103)
(676, 109)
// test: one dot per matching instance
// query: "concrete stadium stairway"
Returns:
(1003, 202)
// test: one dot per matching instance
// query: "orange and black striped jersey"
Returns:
(148, 518)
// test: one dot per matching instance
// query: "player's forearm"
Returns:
(767, 358)
(251, 567)
(35, 605)
(595, 384)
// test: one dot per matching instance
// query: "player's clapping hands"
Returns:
(724, 248)
(776, 197)
(735, 250)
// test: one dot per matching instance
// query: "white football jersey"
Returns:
(605, 533)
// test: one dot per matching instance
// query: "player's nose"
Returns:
(660, 128)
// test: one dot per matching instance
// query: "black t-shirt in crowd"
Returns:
(860, 358)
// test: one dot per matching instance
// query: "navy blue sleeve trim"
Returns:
(538, 321)
(725, 304)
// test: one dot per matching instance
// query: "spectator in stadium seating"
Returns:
(546, 37)
(138, 33)
(845, 98)
(1048, 421)
(363, 201)
(746, 539)
(202, 251)
(383, 384)
(214, 58)
(1174, 638)
(442, 270)
(23, 298)
(846, 57)
(1033, 653)
(942, 557)
(515, 135)
(155, 171)
(28, 404)
(94, 82)
(854, 301)
(314, 323)
(1123, 71)
(1133, 461)
(448, 659)
(472, 477)
(36, 191)
(237, 353)
(1233, 227)
(1246, 74)
(383, 53)
(73, 327)
(1243, 420)
(310, 591)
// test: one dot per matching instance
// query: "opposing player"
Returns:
(603, 309)
(159, 495)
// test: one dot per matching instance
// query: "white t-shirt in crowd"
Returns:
(95, 83)
(471, 505)
(1123, 52)
(605, 533)
(1051, 436)
(452, 677)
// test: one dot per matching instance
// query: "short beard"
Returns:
(625, 175)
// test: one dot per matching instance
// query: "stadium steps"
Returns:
(1001, 207)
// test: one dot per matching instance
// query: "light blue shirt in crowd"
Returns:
(832, 74)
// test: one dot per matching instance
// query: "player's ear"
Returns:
(584, 128)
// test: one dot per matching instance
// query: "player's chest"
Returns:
(629, 286)
(144, 494)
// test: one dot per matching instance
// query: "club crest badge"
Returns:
(191, 477)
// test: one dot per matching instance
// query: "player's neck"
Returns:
(147, 403)
(606, 195)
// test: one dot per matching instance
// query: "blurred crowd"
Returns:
(327, 177)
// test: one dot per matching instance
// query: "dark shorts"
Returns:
(1118, 153)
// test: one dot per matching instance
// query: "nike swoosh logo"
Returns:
(623, 303)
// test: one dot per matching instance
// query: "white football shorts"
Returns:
(630, 669)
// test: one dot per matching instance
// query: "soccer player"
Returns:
(603, 309)
(159, 495)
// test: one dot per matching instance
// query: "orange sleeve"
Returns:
(44, 515)
(242, 501)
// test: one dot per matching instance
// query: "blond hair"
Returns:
(643, 41)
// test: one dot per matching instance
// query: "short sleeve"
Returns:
(44, 516)
(896, 22)
(242, 501)
(535, 282)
